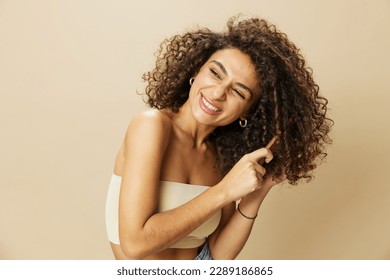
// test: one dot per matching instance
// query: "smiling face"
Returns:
(224, 89)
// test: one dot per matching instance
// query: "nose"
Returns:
(219, 92)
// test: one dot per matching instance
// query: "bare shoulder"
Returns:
(155, 118)
(152, 126)
(148, 131)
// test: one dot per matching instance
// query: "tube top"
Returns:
(172, 195)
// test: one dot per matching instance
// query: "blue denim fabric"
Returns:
(204, 253)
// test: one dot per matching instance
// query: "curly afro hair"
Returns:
(289, 106)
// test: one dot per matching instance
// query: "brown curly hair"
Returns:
(289, 105)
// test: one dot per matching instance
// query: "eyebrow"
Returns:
(223, 69)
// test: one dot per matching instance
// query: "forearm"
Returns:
(163, 229)
(233, 236)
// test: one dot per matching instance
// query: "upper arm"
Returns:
(145, 144)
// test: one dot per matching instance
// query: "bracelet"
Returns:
(245, 216)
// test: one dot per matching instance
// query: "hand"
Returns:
(269, 181)
(246, 175)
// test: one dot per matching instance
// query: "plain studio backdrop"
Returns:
(69, 76)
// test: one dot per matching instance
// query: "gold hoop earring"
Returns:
(243, 123)
(191, 81)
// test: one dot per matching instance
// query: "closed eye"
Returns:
(239, 94)
(214, 73)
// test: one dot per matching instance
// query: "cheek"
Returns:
(237, 108)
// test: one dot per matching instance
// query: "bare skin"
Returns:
(161, 145)
(176, 168)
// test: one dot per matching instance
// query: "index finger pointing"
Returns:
(270, 143)
(261, 155)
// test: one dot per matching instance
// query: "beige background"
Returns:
(69, 73)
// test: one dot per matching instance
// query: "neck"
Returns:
(186, 122)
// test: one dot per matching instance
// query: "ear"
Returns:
(195, 74)
(242, 118)
(244, 115)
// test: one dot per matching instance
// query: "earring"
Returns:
(191, 81)
(243, 123)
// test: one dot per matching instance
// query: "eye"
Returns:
(215, 74)
(239, 94)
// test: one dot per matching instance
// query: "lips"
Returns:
(208, 107)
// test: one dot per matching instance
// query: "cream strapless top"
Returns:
(172, 195)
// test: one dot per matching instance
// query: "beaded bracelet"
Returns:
(245, 216)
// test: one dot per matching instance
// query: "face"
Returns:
(224, 89)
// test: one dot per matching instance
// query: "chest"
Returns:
(191, 165)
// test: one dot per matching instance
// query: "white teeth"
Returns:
(208, 105)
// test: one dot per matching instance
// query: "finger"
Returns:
(281, 178)
(259, 169)
(269, 179)
(270, 143)
(261, 155)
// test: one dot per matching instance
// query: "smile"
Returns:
(208, 107)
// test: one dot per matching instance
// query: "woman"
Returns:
(221, 101)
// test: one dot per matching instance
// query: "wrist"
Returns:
(250, 217)
(250, 204)
(257, 196)
(222, 196)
